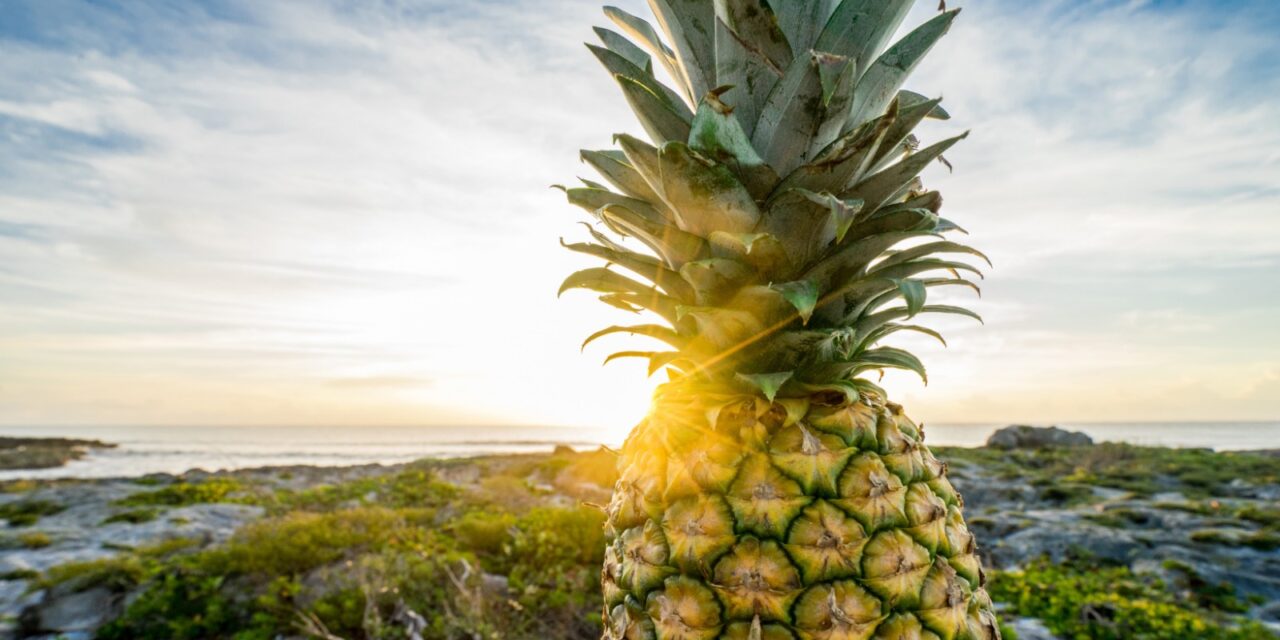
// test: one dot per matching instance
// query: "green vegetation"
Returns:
(133, 516)
(1265, 540)
(181, 494)
(1067, 494)
(119, 572)
(1087, 601)
(1144, 471)
(413, 487)
(353, 559)
(501, 557)
(27, 512)
(1121, 518)
(25, 540)
(21, 485)
(35, 540)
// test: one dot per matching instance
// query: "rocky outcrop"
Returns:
(1021, 436)
(1161, 534)
(1017, 517)
(44, 453)
(1031, 629)
(81, 531)
(65, 612)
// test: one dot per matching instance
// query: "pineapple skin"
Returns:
(814, 518)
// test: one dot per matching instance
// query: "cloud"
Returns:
(246, 204)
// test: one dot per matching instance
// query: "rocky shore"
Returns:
(510, 535)
(44, 453)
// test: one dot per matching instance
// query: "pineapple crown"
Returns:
(775, 218)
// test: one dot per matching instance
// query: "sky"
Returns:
(338, 212)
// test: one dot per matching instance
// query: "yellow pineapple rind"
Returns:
(749, 545)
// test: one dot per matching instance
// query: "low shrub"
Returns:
(1112, 603)
(27, 512)
(298, 542)
(133, 516)
(413, 487)
(35, 540)
(181, 494)
(119, 573)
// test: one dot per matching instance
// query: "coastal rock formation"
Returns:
(67, 613)
(1199, 522)
(1021, 436)
(44, 453)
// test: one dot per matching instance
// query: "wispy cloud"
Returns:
(248, 212)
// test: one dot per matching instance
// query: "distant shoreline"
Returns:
(176, 449)
(17, 453)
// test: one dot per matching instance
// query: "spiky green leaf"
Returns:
(893, 358)
(913, 292)
(704, 195)
(655, 331)
(715, 278)
(879, 188)
(859, 29)
(615, 168)
(909, 98)
(689, 25)
(790, 116)
(881, 81)
(618, 65)
(648, 38)
(717, 134)
(659, 119)
(620, 45)
(891, 328)
(803, 20)
(748, 73)
(648, 267)
(802, 294)
(927, 249)
(603, 280)
(754, 23)
(767, 383)
(674, 246)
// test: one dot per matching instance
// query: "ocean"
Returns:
(174, 449)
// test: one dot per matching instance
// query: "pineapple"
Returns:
(775, 228)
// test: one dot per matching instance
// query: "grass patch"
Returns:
(1263, 540)
(413, 487)
(34, 540)
(133, 516)
(377, 561)
(1214, 536)
(1121, 518)
(25, 513)
(298, 542)
(181, 494)
(119, 573)
(1144, 471)
(1209, 508)
(1111, 603)
(1067, 494)
(21, 485)
(345, 559)
(1265, 516)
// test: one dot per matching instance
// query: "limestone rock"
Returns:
(1023, 436)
